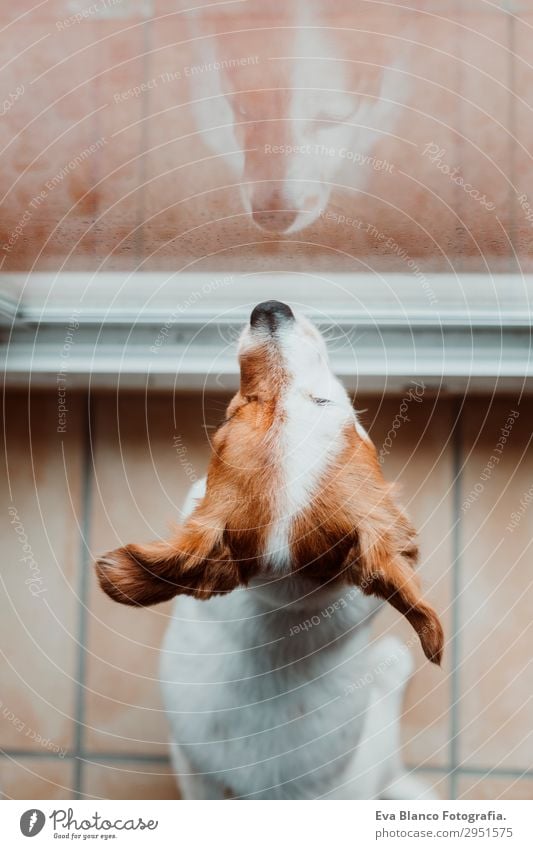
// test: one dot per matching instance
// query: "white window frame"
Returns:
(174, 331)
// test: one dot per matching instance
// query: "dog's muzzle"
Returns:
(271, 315)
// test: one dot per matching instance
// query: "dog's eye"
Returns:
(321, 401)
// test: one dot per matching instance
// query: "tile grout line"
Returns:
(144, 757)
(84, 563)
(481, 772)
(112, 757)
(456, 554)
(477, 771)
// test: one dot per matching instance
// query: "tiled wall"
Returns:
(155, 195)
(80, 712)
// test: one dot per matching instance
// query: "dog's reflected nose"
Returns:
(274, 220)
(272, 207)
(271, 314)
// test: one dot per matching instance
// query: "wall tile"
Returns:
(419, 459)
(140, 486)
(495, 599)
(474, 787)
(41, 495)
(35, 778)
(129, 780)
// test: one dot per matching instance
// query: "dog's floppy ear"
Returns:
(355, 531)
(384, 552)
(196, 562)
(382, 563)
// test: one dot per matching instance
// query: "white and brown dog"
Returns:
(269, 677)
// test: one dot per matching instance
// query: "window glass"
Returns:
(328, 136)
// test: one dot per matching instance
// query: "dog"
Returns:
(292, 98)
(271, 684)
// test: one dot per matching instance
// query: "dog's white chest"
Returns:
(267, 709)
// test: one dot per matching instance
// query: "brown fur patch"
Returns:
(355, 531)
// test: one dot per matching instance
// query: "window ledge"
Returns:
(178, 330)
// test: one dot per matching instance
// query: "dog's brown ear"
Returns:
(384, 552)
(196, 562)
(384, 566)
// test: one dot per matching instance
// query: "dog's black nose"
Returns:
(271, 314)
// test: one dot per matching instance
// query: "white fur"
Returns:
(275, 691)
(310, 439)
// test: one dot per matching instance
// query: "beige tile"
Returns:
(41, 495)
(419, 459)
(477, 787)
(141, 482)
(35, 778)
(129, 780)
(496, 597)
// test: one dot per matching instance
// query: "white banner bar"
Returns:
(261, 825)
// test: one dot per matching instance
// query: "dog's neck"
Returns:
(290, 601)
(300, 601)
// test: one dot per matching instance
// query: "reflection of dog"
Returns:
(271, 688)
(294, 108)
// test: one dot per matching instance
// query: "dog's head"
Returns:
(294, 487)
